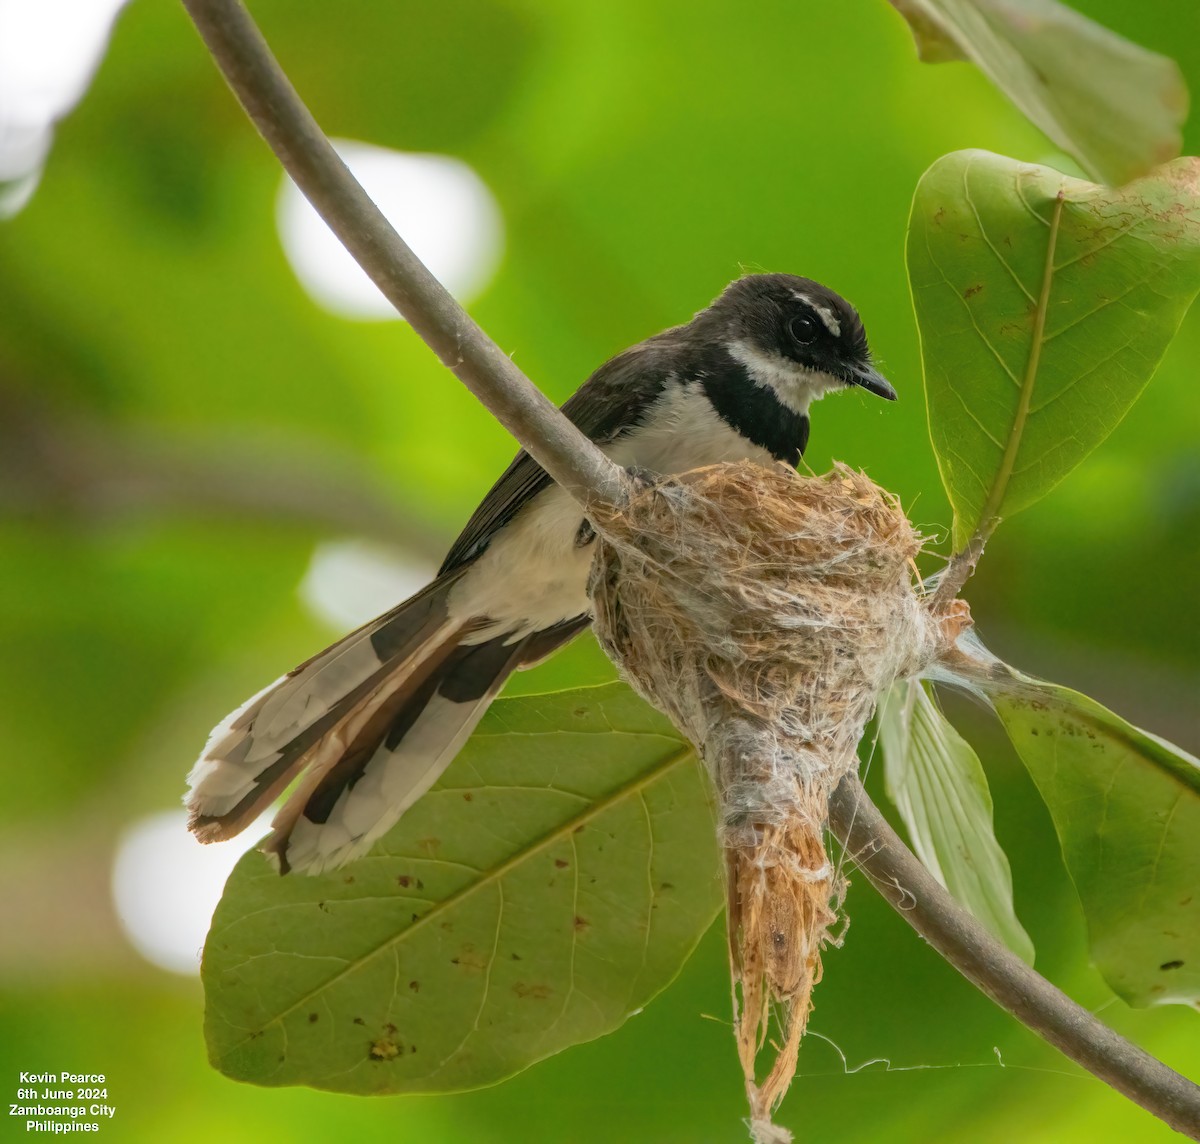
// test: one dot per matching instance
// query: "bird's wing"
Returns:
(606, 406)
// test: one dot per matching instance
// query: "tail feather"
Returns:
(256, 752)
(340, 757)
(371, 721)
(306, 692)
(342, 813)
(352, 808)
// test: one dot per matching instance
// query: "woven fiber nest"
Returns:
(765, 613)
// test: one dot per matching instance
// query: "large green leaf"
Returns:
(544, 891)
(1045, 304)
(1126, 806)
(1114, 106)
(941, 791)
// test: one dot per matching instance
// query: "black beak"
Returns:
(870, 380)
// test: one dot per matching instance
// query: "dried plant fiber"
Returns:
(764, 613)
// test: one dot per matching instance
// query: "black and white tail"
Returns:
(371, 722)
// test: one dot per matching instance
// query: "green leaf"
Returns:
(1126, 806)
(1114, 106)
(551, 884)
(940, 789)
(933, 38)
(1045, 304)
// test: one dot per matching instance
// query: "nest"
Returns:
(765, 613)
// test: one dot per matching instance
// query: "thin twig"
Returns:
(576, 464)
(309, 158)
(958, 571)
(922, 902)
(52, 464)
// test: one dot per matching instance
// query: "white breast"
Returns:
(684, 433)
(533, 574)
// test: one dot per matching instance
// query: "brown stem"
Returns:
(61, 465)
(922, 902)
(958, 571)
(309, 158)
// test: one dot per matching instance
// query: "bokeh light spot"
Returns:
(438, 204)
(349, 582)
(166, 886)
(49, 50)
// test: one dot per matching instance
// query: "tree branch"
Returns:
(309, 158)
(577, 465)
(922, 902)
(68, 466)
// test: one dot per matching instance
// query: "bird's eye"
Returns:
(803, 329)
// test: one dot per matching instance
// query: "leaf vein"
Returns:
(496, 873)
(975, 325)
(987, 239)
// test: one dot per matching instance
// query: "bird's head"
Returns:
(794, 335)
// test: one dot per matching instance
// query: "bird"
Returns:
(370, 723)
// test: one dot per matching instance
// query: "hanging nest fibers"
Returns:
(765, 613)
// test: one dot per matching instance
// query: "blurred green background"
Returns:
(181, 426)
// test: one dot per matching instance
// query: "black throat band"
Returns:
(756, 412)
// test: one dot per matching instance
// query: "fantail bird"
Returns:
(373, 720)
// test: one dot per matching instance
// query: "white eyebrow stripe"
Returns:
(823, 312)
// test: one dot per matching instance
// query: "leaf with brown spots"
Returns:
(1045, 304)
(1126, 806)
(422, 936)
